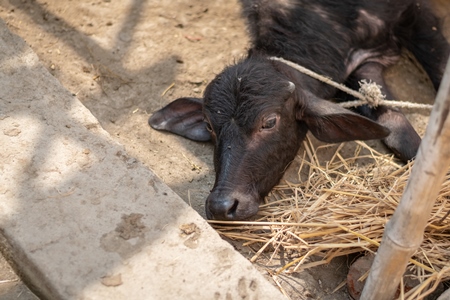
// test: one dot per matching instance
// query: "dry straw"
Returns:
(342, 208)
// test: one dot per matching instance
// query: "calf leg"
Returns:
(403, 140)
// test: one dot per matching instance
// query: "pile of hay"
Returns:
(342, 208)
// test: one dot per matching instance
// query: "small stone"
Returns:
(189, 228)
(125, 37)
(114, 280)
(358, 269)
(196, 81)
(12, 131)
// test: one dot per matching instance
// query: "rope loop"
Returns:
(369, 92)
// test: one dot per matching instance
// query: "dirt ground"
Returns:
(126, 59)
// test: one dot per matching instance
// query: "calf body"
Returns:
(258, 111)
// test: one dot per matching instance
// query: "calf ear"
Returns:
(184, 117)
(331, 123)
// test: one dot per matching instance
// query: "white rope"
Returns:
(369, 92)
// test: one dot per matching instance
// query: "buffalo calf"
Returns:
(258, 111)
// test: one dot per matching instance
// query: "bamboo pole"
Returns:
(404, 232)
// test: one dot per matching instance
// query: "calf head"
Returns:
(257, 118)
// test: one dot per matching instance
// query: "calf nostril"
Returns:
(231, 212)
(222, 207)
(230, 205)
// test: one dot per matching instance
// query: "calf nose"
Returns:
(225, 205)
(221, 207)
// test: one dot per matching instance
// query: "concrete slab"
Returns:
(82, 219)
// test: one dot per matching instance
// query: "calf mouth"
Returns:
(231, 205)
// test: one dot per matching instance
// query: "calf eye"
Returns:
(269, 122)
(208, 126)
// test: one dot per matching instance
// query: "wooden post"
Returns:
(404, 232)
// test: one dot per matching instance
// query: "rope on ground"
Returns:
(369, 92)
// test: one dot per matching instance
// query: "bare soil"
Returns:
(126, 59)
